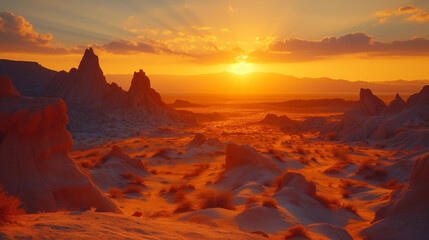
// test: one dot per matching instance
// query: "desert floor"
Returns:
(349, 192)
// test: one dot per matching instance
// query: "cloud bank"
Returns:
(18, 35)
(298, 50)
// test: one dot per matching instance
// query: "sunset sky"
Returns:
(355, 40)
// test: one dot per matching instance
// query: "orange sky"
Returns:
(386, 40)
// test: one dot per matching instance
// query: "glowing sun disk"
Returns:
(241, 68)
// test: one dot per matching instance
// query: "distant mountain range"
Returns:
(29, 76)
(264, 83)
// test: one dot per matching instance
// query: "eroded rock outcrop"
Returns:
(421, 98)
(368, 105)
(141, 94)
(406, 215)
(399, 124)
(395, 106)
(86, 84)
(95, 105)
(275, 120)
(35, 163)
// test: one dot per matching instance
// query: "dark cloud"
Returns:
(129, 47)
(297, 50)
(398, 11)
(406, 9)
(350, 43)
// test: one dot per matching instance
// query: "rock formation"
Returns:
(184, 104)
(141, 95)
(275, 120)
(198, 140)
(95, 105)
(243, 165)
(106, 173)
(400, 123)
(395, 106)
(30, 78)
(35, 163)
(237, 156)
(84, 85)
(369, 104)
(407, 209)
(421, 98)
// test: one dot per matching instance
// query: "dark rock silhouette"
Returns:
(419, 99)
(395, 106)
(84, 85)
(141, 94)
(96, 105)
(273, 119)
(30, 78)
(184, 104)
(368, 105)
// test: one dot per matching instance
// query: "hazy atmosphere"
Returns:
(239, 119)
(365, 40)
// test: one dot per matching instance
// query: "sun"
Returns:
(241, 68)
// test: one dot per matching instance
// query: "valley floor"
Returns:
(352, 181)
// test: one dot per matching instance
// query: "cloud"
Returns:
(204, 28)
(349, 43)
(297, 50)
(167, 32)
(382, 20)
(17, 35)
(215, 57)
(266, 41)
(419, 17)
(399, 11)
(17, 27)
(204, 56)
(122, 46)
